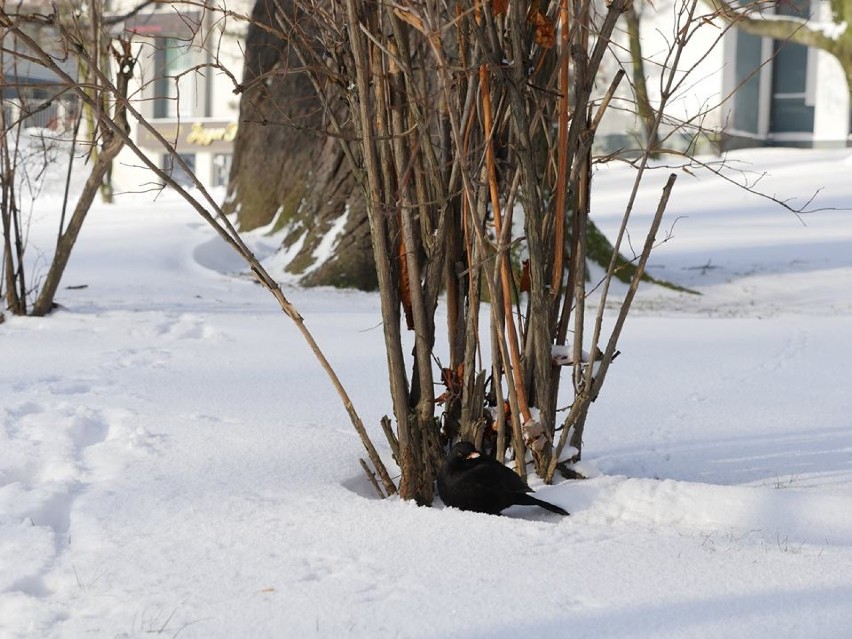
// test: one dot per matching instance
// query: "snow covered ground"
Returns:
(174, 463)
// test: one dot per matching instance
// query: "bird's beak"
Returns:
(473, 455)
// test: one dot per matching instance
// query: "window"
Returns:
(176, 171)
(791, 110)
(174, 90)
(774, 101)
(747, 74)
(221, 168)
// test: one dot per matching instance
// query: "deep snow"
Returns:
(174, 462)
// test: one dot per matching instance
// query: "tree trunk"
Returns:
(286, 170)
(44, 304)
(640, 88)
(112, 144)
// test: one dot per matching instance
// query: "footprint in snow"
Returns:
(89, 428)
(22, 410)
(70, 387)
(132, 358)
(185, 326)
(46, 468)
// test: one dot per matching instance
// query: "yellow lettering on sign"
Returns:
(204, 136)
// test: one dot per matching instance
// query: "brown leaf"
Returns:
(452, 380)
(534, 8)
(404, 288)
(545, 31)
(417, 22)
(452, 377)
(499, 7)
(524, 284)
(410, 18)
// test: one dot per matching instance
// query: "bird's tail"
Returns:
(546, 505)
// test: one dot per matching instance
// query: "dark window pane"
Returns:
(747, 97)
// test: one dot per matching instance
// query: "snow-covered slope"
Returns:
(173, 462)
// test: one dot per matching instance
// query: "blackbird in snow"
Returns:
(469, 480)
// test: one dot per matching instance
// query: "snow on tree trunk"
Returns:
(286, 172)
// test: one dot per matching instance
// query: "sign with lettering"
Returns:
(182, 24)
(191, 136)
(207, 135)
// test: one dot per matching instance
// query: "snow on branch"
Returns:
(751, 19)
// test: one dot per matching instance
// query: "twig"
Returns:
(372, 477)
(393, 442)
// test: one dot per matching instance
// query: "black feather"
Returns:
(469, 480)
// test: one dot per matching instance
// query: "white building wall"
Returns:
(202, 119)
(831, 115)
(698, 90)
(208, 108)
(706, 68)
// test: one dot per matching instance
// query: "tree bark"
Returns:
(640, 88)
(44, 303)
(286, 169)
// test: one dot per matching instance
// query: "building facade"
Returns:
(747, 91)
(188, 61)
(786, 94)
(32, 95)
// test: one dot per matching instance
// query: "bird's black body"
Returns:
(471, 481)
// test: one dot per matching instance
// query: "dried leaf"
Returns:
(545, 30)
(534, 435)
(410, 18)
(452, 380)
(499, 7)
(404, 288)
(524, 284)
(534, 8)
(417, 22)
(533, 430)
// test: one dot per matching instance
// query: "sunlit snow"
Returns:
(173, 462)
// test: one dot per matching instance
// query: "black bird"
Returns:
(469, 480)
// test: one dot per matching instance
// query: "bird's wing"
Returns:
(492, 475)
